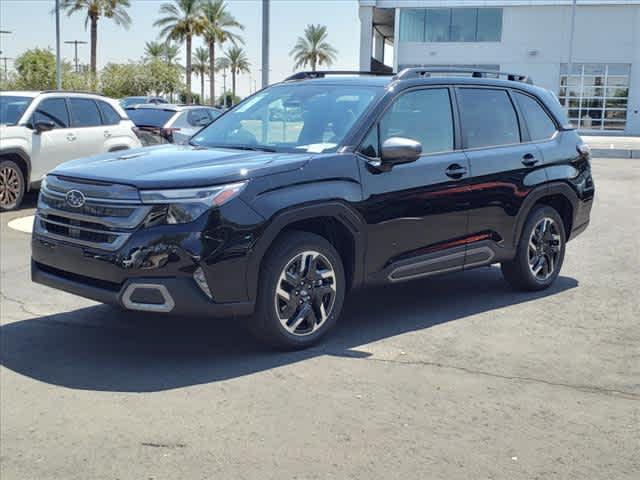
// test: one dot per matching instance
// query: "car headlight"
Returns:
(187, 204)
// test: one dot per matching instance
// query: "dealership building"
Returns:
(587, 52)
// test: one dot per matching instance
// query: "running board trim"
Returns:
(484, 255)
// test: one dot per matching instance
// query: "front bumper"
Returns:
(185, 297)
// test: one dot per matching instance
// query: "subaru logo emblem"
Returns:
(75, 198)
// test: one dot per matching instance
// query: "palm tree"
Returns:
(181, 21)
(95, 9)
(238, 63)
(313, 48)
(154, 50)
(218, 29)
(171, 53)
(201, 67)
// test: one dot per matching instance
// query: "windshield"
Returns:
(12, 108)
(149, 117)
(290, 118)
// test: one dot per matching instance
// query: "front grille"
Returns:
(109, 216)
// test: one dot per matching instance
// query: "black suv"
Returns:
(317, 185)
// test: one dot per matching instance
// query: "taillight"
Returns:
(583, 149)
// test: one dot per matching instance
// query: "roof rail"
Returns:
(419, 72)
(324, 73)
(85, 92)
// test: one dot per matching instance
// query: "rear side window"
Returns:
(539, 124)
(84, 113)
(199, 118)
(422, 115)
(487, 118)
(109, 115)
(149, 117)
(52, 110)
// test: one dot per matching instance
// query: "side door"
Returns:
(86, 120)
(418, 208)
(116, 132)
(505, 166)
(50, 148)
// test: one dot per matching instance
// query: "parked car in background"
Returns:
(129, 101)
(39, 130)
(167, 123)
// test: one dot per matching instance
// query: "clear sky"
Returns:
(33, 25)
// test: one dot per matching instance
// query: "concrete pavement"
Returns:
(455, 377)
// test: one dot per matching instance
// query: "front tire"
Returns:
(12, 185)
(540, 252)
(302, 289)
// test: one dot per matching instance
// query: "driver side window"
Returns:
(422, 115)
(52, 110)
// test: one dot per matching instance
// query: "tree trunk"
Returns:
(188, 99)
(202, 102)
(212, 68)
(313, 64)
(94, 44)
(233, 86)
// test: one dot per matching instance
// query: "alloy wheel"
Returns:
(10, 187)
(305, 293)
(545, 247)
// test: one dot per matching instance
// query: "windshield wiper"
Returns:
(254, 148)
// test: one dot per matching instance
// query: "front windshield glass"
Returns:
(290, 118)
(12, 108)
(127, 102)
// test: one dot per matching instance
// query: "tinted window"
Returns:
(487, 118)
(109, 115)
(199, 118)
(52, 110)
(422, 115)
(451, 25)
(538, 122)
(370, 146)
(12, 108)
(128, 101)
(149, 117)
(84, 113)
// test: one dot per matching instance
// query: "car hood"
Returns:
(175, 166)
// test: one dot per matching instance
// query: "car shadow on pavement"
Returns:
(103, 348)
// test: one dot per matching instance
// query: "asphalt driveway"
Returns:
(454, 377)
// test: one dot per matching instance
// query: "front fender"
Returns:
(338, 210)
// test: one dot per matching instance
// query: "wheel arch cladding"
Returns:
(558, 195)
(334, 221)
(22, 160)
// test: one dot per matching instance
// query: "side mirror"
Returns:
(396, 150)
(44, 126)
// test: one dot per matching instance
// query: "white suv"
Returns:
(39, 130)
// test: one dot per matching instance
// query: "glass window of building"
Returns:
(595, 95)
(451, 25)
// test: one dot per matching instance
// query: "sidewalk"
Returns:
(613, 146)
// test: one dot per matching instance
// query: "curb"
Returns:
(615, 153)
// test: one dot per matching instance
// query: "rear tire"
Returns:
(540, 251)
(12, 185)
(302, 289)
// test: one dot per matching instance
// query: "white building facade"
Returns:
(587, 54)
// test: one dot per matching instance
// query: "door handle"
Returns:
(529, 160)
(71, 137)
(455, 171)
(107, 134)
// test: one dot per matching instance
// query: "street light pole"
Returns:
(265, 43)
(571, 34)
(76, 43)
(58, 67)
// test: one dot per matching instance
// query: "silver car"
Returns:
(168, 123)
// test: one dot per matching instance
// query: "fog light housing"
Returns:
(201, 281)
